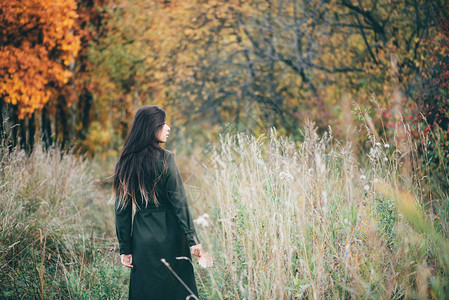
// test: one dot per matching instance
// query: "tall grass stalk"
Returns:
(48, 249)
(308, 221)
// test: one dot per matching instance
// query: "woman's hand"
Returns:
(127, 260)
(196, 250)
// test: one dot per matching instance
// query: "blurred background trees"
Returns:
(44, 86)
(75, 71)
(37, 51)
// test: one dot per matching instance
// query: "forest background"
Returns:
(73, 73)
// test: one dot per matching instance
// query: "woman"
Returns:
(147, 177)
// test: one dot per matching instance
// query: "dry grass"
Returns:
(48, 245)
(289, 220)
(307, 221)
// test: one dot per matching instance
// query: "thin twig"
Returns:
(179, 278)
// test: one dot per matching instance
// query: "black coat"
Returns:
(156, 232)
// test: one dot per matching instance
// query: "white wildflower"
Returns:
(366, 188)
(202, 221)
(374, 153)
(385, 158)
(378, 144)
(285, 176)
(260, 162)
(362, 177)
(375, 180)
(387, 146)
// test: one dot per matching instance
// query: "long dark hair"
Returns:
(136, 169)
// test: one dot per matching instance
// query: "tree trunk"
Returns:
(23, 134)
(31, 131)
(84, 107)
(46, 128)
(2, 135)
(14, 125)
(62, 106)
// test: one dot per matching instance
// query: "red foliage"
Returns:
(434, 102)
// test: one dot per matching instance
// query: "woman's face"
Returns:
(163, 134)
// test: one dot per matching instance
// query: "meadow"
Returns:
(287, 220)
(312, 137)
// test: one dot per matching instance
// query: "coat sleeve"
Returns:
(123, 225)
(179, 201)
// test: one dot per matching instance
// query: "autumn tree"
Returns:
(45, 68)
(76, 102)
(37, 49)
